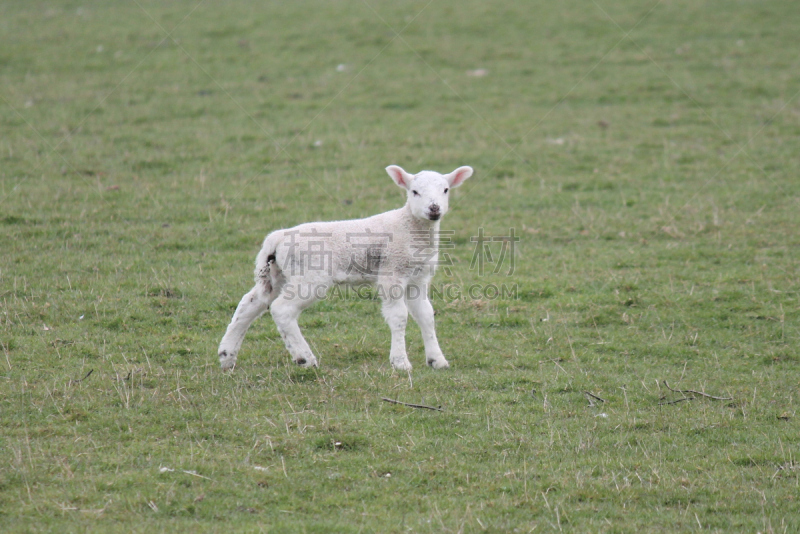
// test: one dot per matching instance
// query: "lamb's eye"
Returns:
(415, 193)
(446, 190)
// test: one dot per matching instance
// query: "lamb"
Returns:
(396, 251)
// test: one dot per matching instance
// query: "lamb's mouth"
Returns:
(435, 216)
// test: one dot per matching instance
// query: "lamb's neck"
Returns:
(424, 233)
(425, 225)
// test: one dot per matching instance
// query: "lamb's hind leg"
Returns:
(285, 312)
(252, 305)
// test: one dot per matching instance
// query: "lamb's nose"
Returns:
(434, 208)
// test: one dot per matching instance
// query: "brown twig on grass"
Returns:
(81, 379)
(590, 396)
(684, 391)
(438, 409)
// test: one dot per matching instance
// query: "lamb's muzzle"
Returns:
(396, 251)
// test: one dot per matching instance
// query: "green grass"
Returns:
(646, 153)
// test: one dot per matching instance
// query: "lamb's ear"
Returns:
(458, 176)
(400, 177)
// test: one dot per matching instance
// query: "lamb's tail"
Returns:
(267, 270)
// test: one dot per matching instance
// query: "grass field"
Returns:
(646, 154)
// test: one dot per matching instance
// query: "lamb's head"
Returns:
(428, 191)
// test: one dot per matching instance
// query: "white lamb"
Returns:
(396, 251)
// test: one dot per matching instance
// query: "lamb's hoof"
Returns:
(439, 364)
(402, 365)
(227, 361)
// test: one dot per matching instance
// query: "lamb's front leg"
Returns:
(396, 315)
(285, 312)
(422, 312)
